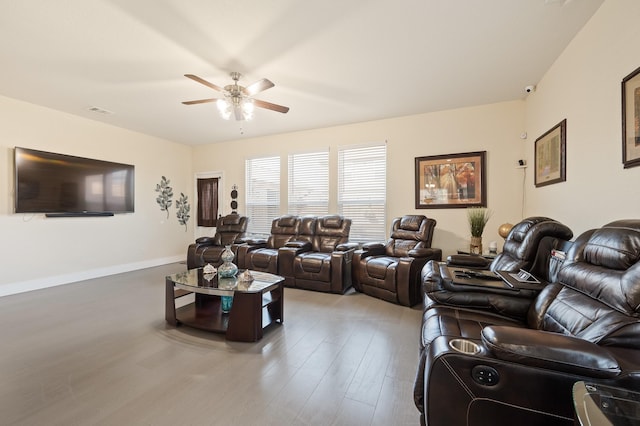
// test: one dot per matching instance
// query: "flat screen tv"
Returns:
(65, 185)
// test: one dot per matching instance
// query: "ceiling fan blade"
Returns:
(269, 105)
(205, 82)
(199, 101)
(258, 87)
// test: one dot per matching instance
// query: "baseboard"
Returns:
(53, 281)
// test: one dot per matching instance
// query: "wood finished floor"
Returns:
(99, 352)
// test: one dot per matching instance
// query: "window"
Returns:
(362, 177)
(262, 177)
(309, 183)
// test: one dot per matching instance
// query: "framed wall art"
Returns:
(631, 120)
(451, 181)
(550, 156)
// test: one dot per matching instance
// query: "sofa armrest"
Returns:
(346, 246)
(256, 242)
(372, 249)
(300, 246)
(206, 241)
(550, 351)
(427, 253)
(372, 246)
(196, 249)
(468, 261)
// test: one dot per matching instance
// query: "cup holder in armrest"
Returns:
(464, 346)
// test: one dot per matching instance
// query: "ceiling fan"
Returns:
(237, 100)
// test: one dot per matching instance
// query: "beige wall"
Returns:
(495, 128)
(38, 252)
(583, 86)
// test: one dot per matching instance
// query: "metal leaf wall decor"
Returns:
(165, 195)
(182, 204)
(164, 200)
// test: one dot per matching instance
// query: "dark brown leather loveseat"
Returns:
(310, 252)
(485, 368)
(321, 257)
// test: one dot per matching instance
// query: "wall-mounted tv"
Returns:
(65, 185)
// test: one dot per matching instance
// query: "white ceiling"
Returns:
(332, 61)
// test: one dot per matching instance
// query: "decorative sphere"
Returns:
(504, 229)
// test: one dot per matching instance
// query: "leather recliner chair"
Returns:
(321, 257)
(530, 245)
(262, 255)
(391, 271)
(584, 327)
(230, 230)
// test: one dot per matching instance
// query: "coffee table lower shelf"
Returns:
(250, 313)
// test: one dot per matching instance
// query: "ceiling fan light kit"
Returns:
(237, 100)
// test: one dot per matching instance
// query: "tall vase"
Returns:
(475, 247)
(229, 283)
(228, 268)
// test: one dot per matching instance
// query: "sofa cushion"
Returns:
(378, 267)
(283, 230)
(411, 222)
(329, 232)
(313, 266)
(334, 221)
(522, 244)
(613, 246)
(603, 265)
(409, 232)
(232, 219)
(287, 221)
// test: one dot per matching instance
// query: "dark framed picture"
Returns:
(451, 181)
(631, 120)
(551, 156)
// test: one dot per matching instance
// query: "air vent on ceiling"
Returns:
(100, 110)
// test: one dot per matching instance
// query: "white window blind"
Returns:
(362, 191)
(262, 177)
(309, 183)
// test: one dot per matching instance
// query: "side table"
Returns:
(490, 256)
(600, 405)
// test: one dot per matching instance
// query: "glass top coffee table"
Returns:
(255, 305)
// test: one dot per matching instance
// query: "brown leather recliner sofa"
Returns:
(529, 246)
(391, 270)
(230, 231)
(310, 252)
(485, 368)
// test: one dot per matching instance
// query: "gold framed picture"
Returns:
(631, 120)
(550, 156)
(451, 181)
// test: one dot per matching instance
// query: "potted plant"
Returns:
(478, 218)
